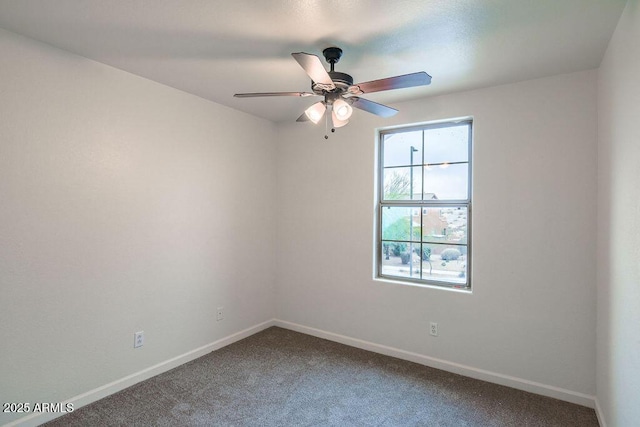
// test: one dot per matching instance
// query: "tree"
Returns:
(399, 230)
(397, 186)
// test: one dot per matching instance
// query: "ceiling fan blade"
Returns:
(398, 82)
(303, 118)
(372, 107)
(258, 94)
(314, 68)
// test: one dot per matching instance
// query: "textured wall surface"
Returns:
(532, 311)
(618, 376)
(125, 205)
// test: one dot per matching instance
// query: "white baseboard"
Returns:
(118, 385)
(468, 371)
(600, 414)
(481, 374)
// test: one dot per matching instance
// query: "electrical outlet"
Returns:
(433, 329)
(138, 339)
(220, 314)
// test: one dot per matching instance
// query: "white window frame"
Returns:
(422, 204)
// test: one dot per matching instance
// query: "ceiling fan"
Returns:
(339, 92)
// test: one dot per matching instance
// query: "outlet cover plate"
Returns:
(138, 339)
(433, 329)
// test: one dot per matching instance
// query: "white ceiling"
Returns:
(216, 48)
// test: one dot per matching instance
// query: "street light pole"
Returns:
(413, 150)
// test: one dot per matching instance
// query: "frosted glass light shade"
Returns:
(342, 109)
(337, 123)
(316, 111)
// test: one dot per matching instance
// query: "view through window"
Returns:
(424, 204)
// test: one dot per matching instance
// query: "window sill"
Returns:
(422, 285)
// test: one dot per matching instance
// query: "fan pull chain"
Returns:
(326, 125)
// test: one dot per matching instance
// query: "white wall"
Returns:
(618, 367)
(532, 311)
(125, 205)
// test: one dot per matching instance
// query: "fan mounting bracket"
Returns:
(332, 55)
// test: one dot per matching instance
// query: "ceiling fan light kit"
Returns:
(334, 85)
(316, 111)
(342, 109)
(337, 123)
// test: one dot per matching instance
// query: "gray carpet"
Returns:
(283, 378)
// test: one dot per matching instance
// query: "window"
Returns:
(424, 204)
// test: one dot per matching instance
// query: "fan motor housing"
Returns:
(342, 81)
